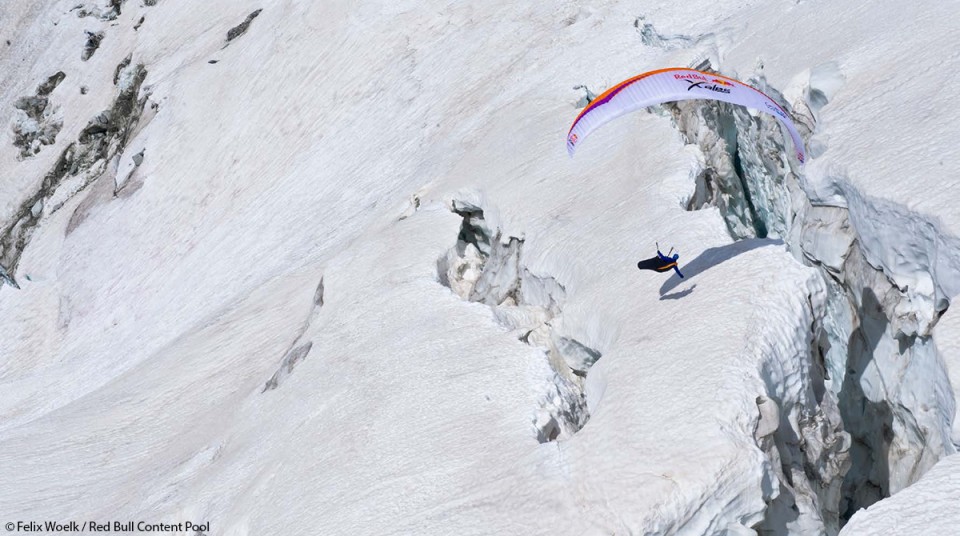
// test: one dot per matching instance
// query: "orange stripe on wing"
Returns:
(600, 98)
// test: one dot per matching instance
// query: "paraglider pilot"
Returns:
(661, 263)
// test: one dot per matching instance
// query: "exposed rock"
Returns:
(50, 84)
(86, 159)
(35, 123)
(120, 67)
(92, 44)
(287, 364)
(242, 28)
(107, 13)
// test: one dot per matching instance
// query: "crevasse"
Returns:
(888, 275)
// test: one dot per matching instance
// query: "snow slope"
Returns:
(927, 506)
(233, 312)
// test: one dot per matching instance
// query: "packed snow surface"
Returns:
(256, 289)
(927, 507)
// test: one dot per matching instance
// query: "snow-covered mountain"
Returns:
(309, 268)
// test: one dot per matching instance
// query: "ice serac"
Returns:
(486, 266)
(889, 275)
(718, 177)
(799, 428)
(894, 388)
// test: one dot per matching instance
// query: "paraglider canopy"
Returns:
(674, 84)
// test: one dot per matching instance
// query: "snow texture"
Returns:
(331, 271)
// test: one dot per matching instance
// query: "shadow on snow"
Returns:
(708, 259)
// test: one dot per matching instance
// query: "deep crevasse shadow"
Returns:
(870, 423)
(708, 259)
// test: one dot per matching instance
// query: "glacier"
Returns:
(283, 267)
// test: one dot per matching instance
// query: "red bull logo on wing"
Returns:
(666, 85)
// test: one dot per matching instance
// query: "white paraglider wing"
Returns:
(674, 84)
